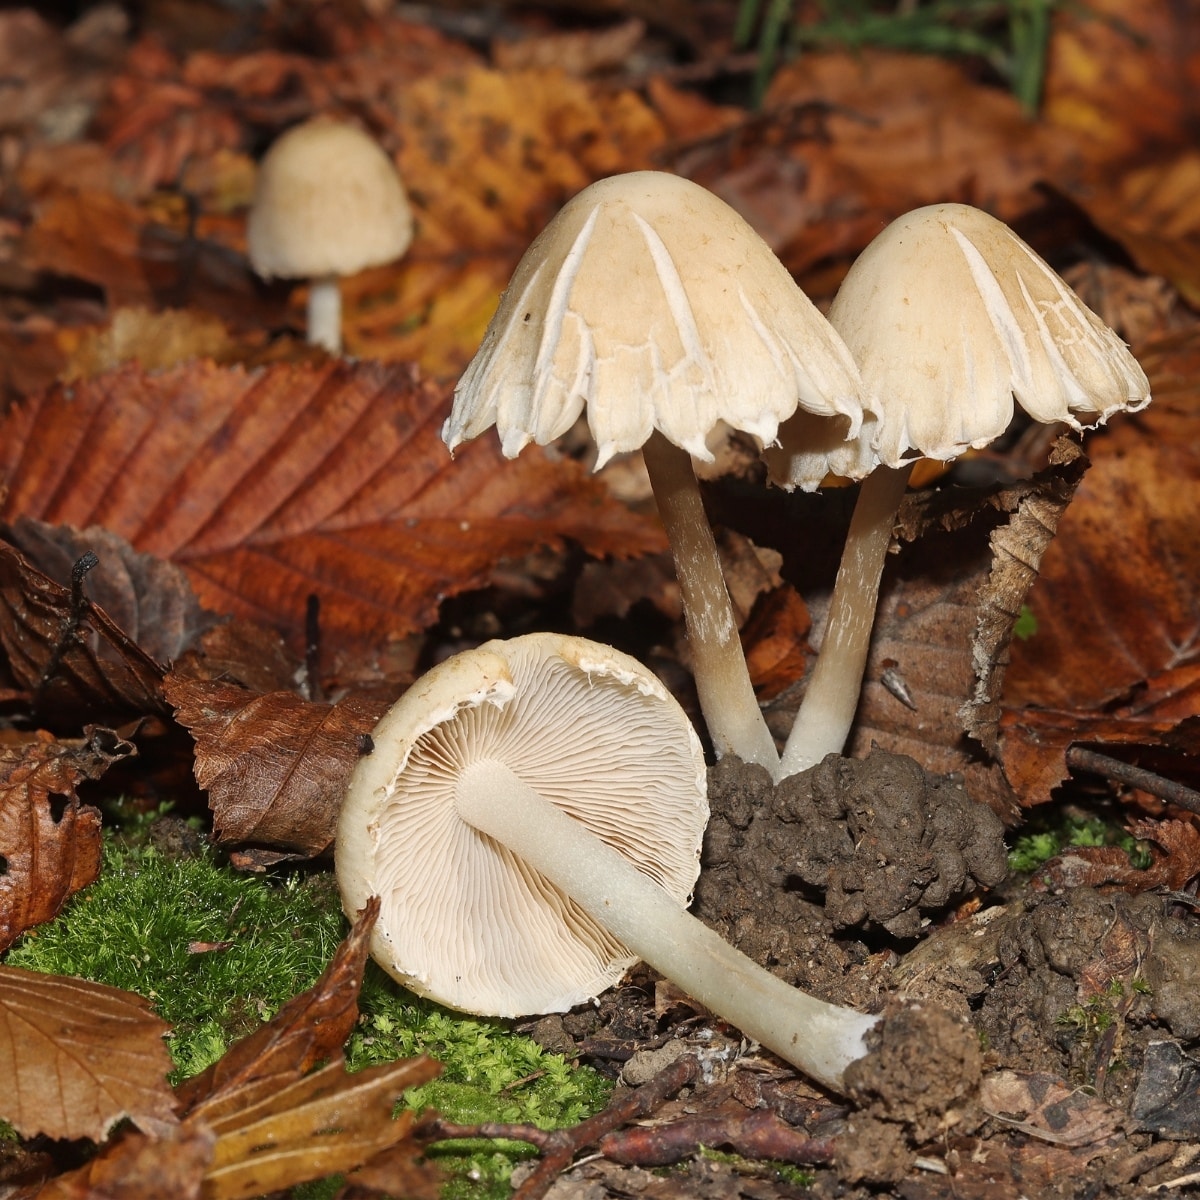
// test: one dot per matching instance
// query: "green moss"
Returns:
(218, 953)
(1037, 846)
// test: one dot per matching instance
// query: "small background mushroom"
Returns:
(328, 202)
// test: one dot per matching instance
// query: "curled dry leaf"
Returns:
(307, 1030)
(275, 766)
(321, 1124)
(66, 652)
(47, 856)
(77, 1057)
(277, 1125)
(269, 486)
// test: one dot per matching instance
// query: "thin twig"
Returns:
(1147, 781)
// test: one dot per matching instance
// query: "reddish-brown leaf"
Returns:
(77, 1057)
(47, 856)
(1176, 861)
(273, 485)
(1117, 648)
(274, 766)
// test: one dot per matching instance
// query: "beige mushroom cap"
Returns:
(328, 201)
(463, 920)
(654, 303)
(949, 316)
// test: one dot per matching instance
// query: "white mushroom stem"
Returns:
(818, 1038)
(831, 699)
(731, 712)
(325, 313)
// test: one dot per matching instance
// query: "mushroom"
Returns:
(650, 301)
(949, 316)
(328, 202)
(531, 816)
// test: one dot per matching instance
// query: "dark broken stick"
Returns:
(759, 1134)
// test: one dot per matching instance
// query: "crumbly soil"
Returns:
(1033, 1044)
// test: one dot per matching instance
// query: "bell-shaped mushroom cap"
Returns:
(651, 301)
(328, 201)
(463, 920)
(949, 316)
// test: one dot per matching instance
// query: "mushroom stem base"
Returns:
(820, 1039)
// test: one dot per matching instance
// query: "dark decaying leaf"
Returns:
(77, 1057)
(49, 841)
(274, 766)
(137, 1167)
(274, 485)
(70, 657)
(149, 599)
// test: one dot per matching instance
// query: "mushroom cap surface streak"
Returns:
(950, 316)
(328, 201)
(652, 302)
(463, 920)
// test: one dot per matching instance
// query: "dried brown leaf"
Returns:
(307, 1030)
(1121, 84)
(275, 766)
(1117, 647)
(78, 1057)
(273, 485)
(65, 651)
(136, 1167)
(47, 855)
(887, 132)
(324, 1123)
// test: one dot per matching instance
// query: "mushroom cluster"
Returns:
(532, 811)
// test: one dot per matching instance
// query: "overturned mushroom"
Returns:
(531, 818)
(650, 301)
(949, 316)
